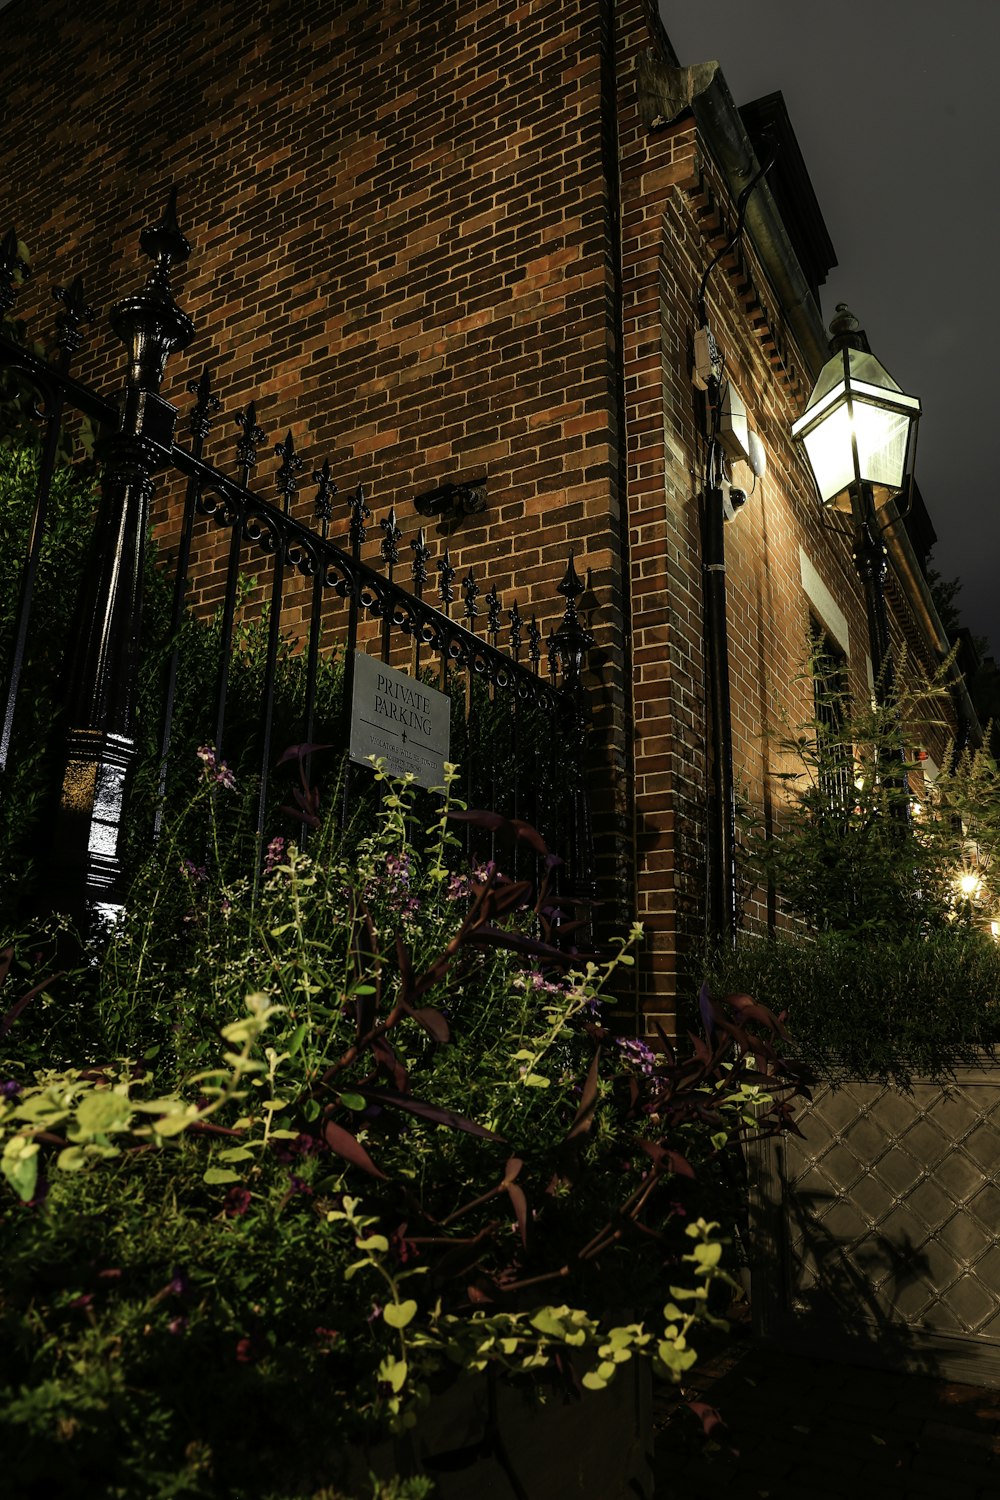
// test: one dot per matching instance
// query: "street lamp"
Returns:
(859, 433)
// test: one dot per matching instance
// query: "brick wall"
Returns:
(398, 217)
(677, 214)
(436, 243)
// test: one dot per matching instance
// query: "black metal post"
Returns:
(100, 737)
(721, 883)
(872, 563)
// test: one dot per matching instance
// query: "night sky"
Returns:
(893, 104)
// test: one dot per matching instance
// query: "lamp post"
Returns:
(859, 433)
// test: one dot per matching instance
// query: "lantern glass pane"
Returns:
(828, 448)
(882, 438)
(867, 369)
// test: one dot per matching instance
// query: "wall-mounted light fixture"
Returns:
(859, 434)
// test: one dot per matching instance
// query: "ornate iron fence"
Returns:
(98, 732)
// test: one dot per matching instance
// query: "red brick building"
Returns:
(462, 241)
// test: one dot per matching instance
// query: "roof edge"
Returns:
(664, 95)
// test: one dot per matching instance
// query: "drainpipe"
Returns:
(721, 850)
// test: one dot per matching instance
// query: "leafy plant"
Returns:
(863, 844)
(392, 1080)
(863, 1009)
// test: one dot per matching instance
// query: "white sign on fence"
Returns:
(402, 721)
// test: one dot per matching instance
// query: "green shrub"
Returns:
(374, 1132)
(862, 1008)
(845, 855)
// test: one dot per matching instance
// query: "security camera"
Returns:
(732, 500)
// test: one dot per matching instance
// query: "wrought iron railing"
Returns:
(98, 744)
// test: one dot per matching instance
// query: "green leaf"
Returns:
(547, 1321)
(236, 1153)
(101, 1111)
(536, 1081)
(174, 1124)
(676, 1360)
(393, 1371)
(354, 1101)
(399, 1314)
(19, 1165)
(71, 1159)
(373, 1242)
(216, 1175)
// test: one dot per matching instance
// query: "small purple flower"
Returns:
(225, 777)
(534, 979)
(275, 854)
(458, 887)
(215, 770)
(638, 1053)
(237, 1201)
(197, 874)
(302, 1145)
(10, 1089)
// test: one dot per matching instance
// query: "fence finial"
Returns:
(360, 513)
(74, 312)
(534, 643)
(391, 537)
(470, 593)
(323, 504)
(206, 404)
(493, 614)
(246, 447)
(421, 557)
(150, 323)
(516, 621)
(164, 243)
(291, 464)
(446, 577)
(572, 639)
